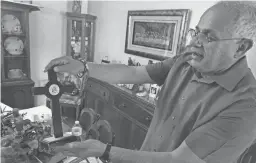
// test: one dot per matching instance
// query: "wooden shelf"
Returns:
(14, 35)
(17, 82)
(22, 6)
(16, 57)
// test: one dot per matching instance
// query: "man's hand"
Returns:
(65, 64)
(88, 148)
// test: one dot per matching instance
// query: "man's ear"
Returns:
(243, 46)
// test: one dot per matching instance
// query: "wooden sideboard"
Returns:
(128, 115)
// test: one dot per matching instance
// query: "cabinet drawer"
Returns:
(98, 90)
(124, 104)
(132, 110)
(143, 116)
(18, 96)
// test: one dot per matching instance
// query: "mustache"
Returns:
(186, 49)
(191, 47)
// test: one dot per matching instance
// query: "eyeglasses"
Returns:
(210, 38)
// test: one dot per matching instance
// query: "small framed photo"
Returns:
(154, 89)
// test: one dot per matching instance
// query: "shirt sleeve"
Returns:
(159, 71)
(227, 136)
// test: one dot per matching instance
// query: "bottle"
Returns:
(77, 131)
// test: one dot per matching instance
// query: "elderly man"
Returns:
(206, 110)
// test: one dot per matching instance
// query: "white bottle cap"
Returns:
(76, 122)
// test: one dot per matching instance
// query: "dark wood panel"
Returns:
(138, 137)
(125, 132)
(133, 109)
(128, 116)
(144, 103)
(114, 118)
(98, 89)
(143, 116)
(18, 96)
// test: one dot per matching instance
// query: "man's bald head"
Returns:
(230, 27)
(243, 23)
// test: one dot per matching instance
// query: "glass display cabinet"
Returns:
(16, 80)
(81, 35)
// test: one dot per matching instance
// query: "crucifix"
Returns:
(53, 90)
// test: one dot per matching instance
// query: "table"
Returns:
(43, 113)
(39, 113)
(33, 114)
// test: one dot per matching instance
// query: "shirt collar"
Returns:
(228, 79)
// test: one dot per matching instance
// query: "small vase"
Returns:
(77, 6)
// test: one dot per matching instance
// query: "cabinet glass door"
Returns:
(14, 46)
(88, 26)
(16, 68)
(76, 39)
(80, 36)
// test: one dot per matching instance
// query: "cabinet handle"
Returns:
(134, 147)
(148, 118)
(122, 105)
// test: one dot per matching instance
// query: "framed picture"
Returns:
(156, 34)
(26, 1)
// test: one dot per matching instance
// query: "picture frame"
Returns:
(25, 1)
(156, 34)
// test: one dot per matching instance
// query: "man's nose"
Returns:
(197, 42)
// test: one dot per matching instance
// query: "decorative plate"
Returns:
(14, 45)
(15, 73)
(10, 24)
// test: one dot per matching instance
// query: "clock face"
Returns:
(54, 89)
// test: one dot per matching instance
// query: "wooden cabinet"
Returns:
(16, 80)
(81, 35)
(128, 115)
(138, 136)
(19, 96)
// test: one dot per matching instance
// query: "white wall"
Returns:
(47, 37)
(48, 30)
(112, 20)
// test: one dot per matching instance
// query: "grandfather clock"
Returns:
(16, 80)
